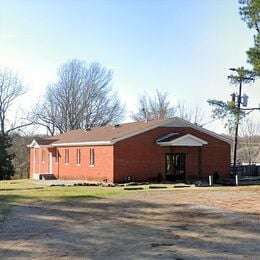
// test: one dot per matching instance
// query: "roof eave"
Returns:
(94, 143)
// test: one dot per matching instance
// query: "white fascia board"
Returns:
(186, 140)
(173, 144)
(83, 143)
(199, 140)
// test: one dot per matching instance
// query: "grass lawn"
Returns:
(22, 192)
(17, 192)
(25, 191)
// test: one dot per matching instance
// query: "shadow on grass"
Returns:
(14, 199)
(22, 189)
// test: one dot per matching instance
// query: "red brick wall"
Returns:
(102, 169)
(141, 158)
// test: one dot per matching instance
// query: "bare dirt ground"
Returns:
(172, 224)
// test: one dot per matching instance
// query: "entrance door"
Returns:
(175, 166)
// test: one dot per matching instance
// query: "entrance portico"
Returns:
(176, 159)
(42, 162)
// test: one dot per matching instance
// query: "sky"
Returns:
(182, 47)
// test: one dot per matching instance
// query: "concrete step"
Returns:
(47, 177)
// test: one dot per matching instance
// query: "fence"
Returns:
(245, 170)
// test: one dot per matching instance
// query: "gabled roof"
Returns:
(108, 135)
(39, 142)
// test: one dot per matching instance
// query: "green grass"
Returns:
(26, 191)
(23, 192)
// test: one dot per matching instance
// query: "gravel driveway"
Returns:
(154, 225)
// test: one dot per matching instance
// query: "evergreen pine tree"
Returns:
(6, 166)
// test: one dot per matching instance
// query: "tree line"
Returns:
(83, 98)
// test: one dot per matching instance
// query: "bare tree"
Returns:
(193, 115)
(11, 88)
(82, 98)
(249, 144)
(156, 107)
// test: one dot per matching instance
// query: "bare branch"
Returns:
(153, 107)
(10, 89)
(81, 98)
(194, 116)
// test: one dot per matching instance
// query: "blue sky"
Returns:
(184, 47)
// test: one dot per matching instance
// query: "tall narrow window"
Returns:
(43, 156)
(67, 156)
(57, 156)
(92, 157)
(78, 156)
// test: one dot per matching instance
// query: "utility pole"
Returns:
(243, 76)
(237, 121)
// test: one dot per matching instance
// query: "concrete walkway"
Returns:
(66, 182)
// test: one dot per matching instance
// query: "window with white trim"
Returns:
(67, 156)
(92, 157)
(78, 154)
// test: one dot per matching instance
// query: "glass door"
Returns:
(175, 166)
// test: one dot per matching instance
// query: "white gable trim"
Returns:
(186, 140)
(34, 144)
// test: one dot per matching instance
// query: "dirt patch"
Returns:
(166, 224)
